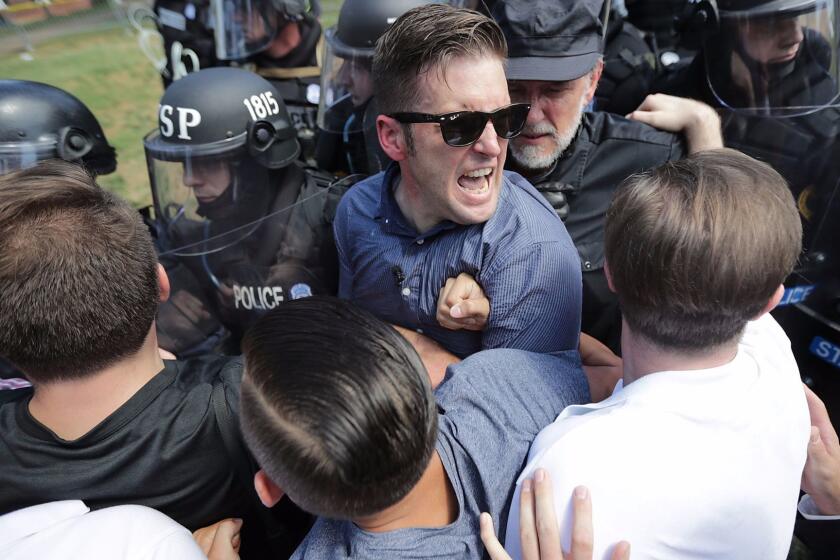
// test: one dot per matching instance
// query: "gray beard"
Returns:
(531, 158)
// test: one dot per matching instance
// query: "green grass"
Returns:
(107, 71)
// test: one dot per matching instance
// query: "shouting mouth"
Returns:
(477, 181)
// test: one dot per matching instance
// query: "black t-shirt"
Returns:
(161, 449)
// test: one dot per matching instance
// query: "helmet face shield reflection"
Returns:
(20, 155)
(243, 27)
(206, 203)
(346, 88)
(779, 62)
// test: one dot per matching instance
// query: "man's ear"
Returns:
(772, 302)
(163, 283)
(391, 138)
(596, 77)
(609, 277)
(268, 492)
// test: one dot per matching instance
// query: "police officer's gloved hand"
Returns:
(185, 324)
(555, 193)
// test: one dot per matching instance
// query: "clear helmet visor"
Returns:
(20, 155)
(243, 27)
(775, 60)
(346, 90)
(206, 204)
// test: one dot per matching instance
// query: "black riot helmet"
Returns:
(245, 27)
(348, 56)
(362, 22)
(39, 121)
(223, 112)
(221, 134)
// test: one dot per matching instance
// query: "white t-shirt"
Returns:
(686, 464)
(68, 529)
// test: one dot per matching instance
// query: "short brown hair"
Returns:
(425, 39)
(697, 247)
(336, 406)
(78, 278)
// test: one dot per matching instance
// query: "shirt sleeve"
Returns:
(231, 378)
(178, 544)
(511, 393)
(535, 299)
(808, 509)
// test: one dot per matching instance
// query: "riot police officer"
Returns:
(39, 121)
(770, 67)
(347, 142)
(276, 38)
(629, 66)
(241, 226)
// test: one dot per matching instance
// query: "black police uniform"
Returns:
(356, 150)
(821, 537)
(293, 76)
(607, 150)
(289, 255)
(629, 68)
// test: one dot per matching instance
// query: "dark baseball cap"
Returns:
(551, 40)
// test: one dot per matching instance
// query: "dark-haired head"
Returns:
(336, 406)
(78, 274)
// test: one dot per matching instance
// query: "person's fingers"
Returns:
(226, 541)
(204, 537)
(443, 307)
(621, 551)
(190, 306)
(477, 310)
(528, 543)
(451, 292)
(820, 418)
(817, 458)
(582, 532)
(646, 103)
(488, 537)
(817, 453)
(548, 533)
(655, 119)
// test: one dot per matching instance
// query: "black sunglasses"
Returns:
(464, 128)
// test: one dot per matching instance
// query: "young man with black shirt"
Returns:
(107, 421)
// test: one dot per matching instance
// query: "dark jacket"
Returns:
(607, 150)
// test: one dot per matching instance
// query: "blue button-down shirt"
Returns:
(522, 257)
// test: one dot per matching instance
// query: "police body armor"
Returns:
(347, 140)
(231, 277)
(199, 34)
(629, 68)
(771, 70)
(240, 226)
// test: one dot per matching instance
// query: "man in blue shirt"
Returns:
(339, 412)
(446, 206)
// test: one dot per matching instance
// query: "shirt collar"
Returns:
(18, 525)
(390, 216)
